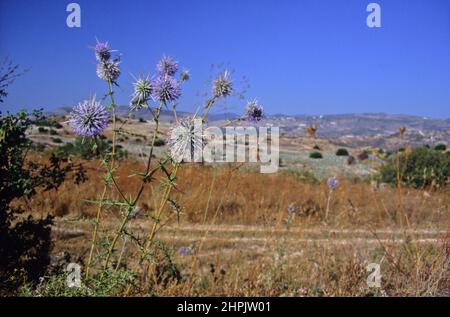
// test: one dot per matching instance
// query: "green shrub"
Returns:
(316, 155)
(159, 142)
(422, 168)
(106, 283)
(42, 130)
(440, 147)
(25, 242)
(342, 152)
(57, 140)
(53, 132)
(88, 149)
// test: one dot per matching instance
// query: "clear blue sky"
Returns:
(313, 57)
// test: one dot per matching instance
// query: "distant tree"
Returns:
(342, 152)
(315, 155)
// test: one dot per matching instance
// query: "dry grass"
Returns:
(235, 222)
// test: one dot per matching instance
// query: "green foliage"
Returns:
(316, 155)
(342, 152)
(106, 283)
(25, 242)
(42, 130)
(422, 168)
(88, 148)
(159, 142)
(440, 147)
(48, 122)
(300, 174)
(57, 140)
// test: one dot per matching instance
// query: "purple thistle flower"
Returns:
(102, 51)
(291, 209)
(254, 111)
(184, 250)
(167, 66)
(333, 183)
(222, 86)
(88, 118)
(108, 70)
(166, 89)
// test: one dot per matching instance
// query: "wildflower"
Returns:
(166, 89)
(291, 209)
(184, 251)
(108, 70)
(254, 111)
(222, 86)
(332, 183)
(185, 75)
(185, 140)
(102, 51)
(88, 118)
(167, 66)
(143, 89)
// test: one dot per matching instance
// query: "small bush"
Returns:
(53, 132)
(57, 140)
(42, 130)
(440, 147)
(160, 142)
(316, 147)
(88, 149)
(316, 155)
(342, 152)
(363, 156)
(142, 120)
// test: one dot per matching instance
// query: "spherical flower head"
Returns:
(254, 112)
(167, 66)
(88, 118)
(102, 51)
(166, 89)
(222, 86)
(143, 89)
(108, 70)
(184, 250)
(291, 209)
(185, 75)
(186, 140)
(333, 183)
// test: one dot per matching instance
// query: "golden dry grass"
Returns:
(235, 222)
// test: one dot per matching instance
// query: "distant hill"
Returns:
(346, 129)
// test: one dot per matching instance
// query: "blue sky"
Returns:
(313, 57)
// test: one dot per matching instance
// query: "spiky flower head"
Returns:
(108, 70)
(102, 51)
(166, 89)
(222, 86)
(291, 209)
(185, 75)
(184, 250)
(88, 118)
(143, 89)
(333, 183)
(167, 66)
(254, 112)
(186, 139)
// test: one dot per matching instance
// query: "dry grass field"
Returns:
(235, 237)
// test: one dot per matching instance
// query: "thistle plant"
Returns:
(333, 184)
(90, 118)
